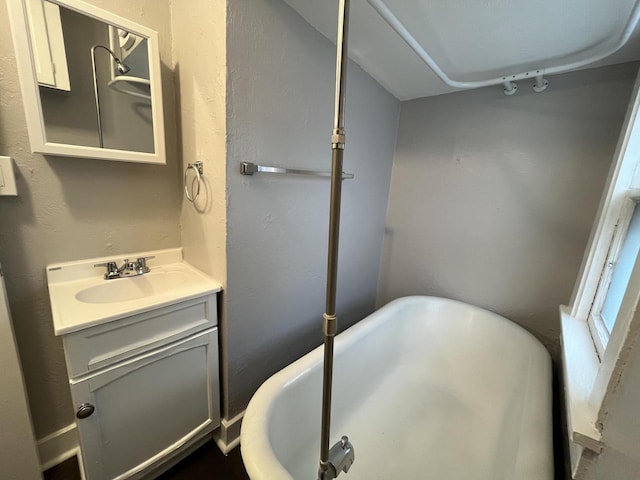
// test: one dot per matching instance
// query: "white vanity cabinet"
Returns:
(145, 387)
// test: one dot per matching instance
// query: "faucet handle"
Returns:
(142, 264)
(112, 269)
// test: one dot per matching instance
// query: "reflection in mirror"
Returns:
(93, 79)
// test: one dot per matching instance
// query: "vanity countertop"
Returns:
(81, 297)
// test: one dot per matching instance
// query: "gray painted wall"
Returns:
(71, 209)
(493, 197)
(280, 112)
(18, 454)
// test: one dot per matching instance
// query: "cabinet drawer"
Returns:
(100, 346)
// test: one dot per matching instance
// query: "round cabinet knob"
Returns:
(85, 410)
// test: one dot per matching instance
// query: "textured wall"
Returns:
(280, 112)
(620, 457)
(71, 209)
(200, 84)
(493, 197)
(201, 96)
(18, 455)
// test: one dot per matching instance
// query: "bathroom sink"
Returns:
(81, 297)
(132, 288)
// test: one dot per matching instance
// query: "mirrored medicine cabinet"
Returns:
(90, 81)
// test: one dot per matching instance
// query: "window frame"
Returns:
(599, 331)
(624, 175)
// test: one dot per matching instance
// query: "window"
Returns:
(614, 279)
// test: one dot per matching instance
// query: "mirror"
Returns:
(90, 81)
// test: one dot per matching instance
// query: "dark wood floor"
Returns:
(67, 470)
(205, 463)
(208, 462)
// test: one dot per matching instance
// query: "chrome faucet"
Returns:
(127, 269)
(142, 264)
(112, 270)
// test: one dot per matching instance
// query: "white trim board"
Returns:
(227, 437)
(580, 370)
(58, 446)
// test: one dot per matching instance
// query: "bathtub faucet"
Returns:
(341, 457)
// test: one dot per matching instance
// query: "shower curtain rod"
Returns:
(400, 29)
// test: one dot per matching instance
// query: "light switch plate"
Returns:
(7, 177)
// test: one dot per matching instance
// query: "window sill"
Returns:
(580, 367)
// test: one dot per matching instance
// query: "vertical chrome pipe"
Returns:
(330, 321)
(96, 93)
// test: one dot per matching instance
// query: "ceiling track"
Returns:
(507, 80)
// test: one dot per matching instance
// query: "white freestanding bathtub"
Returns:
(425, 388)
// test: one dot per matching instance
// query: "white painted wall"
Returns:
(70, 208)
(493, 197)
(280, 112)
(18, 455)
(199, 54)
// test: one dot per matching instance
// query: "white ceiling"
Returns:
(474, 40)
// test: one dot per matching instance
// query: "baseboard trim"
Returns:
(58, 446)
(227, 437)
(63, 444)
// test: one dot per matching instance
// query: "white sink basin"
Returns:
(81, 297)
(133, 288)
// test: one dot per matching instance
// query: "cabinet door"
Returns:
(47, 40)
(148, 407)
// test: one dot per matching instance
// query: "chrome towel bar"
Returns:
(248, 168)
